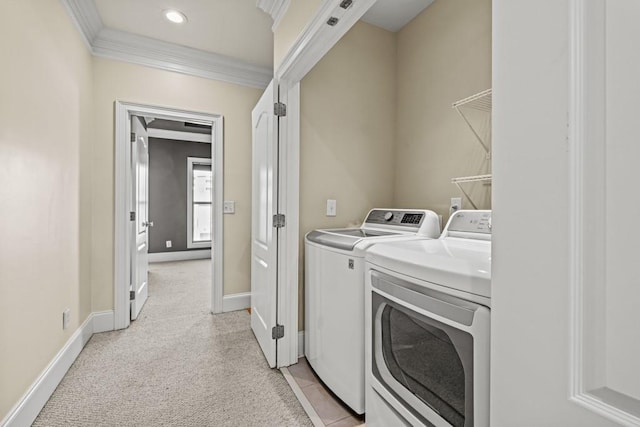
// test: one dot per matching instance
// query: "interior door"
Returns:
(264, 237)
(140, 210)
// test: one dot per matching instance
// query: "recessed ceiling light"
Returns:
(175, 16)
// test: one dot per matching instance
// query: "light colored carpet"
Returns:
(177, 365)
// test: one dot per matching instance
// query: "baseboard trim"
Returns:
(236, 302)
(302, 398)
(300, 344)
(103, 321)
(179, 256)
(28, 408)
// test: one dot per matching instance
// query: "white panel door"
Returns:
(264, 237)
(140, 209)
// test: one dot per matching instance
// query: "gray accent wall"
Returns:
(168, 191)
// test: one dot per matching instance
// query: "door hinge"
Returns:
(132, 295)
(346, 4)
(278, 220)
(133, 137)
(332, 21)
(279, 109)
(277, 332)
(132, 216)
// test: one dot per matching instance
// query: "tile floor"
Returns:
(331, 411)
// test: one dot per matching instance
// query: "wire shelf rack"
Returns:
(467, 179)
(480, 101)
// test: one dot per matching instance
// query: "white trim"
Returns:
(300, 344)
(278, 13)
(149, 52)
(102, 321)
(302, 398)
(289, 183)
(177, 135)
(179, 255)
(276, 9)
(86, 18)
(122, 246)
(30, 405)
(318, 38)
(587, 201)
(122, 46)
(596, 405)
(217, 266)
(190, 162)
(235, 302)
(123, 112)
(314, 42)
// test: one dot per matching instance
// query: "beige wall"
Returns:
(347, 128)
(297, 16)
(444, 55)
(121, 81)
(45, 123)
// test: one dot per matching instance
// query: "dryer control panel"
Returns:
(468, 221)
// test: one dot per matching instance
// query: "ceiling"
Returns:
(227, 40)
(392, 15)
(233, 28)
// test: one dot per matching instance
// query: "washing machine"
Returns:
(427, 327)
(334, 294)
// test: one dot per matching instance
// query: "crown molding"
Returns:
(123, 46)
(141, 50)
(275, 8)
(86, 17)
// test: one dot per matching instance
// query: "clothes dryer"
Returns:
(427, 327)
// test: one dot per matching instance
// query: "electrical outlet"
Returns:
(168, 243)
(66, 315)
(331, 207)
(229, 207)
(456, 204)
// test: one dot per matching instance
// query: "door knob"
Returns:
(147, 223)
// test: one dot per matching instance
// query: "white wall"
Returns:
(45, 146)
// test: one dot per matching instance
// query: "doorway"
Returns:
(124, 201)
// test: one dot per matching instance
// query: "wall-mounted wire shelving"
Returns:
(481, 101)
(465, 179)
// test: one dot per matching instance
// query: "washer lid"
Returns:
(344, 238)
(456, 263)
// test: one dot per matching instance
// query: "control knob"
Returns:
(388, 216)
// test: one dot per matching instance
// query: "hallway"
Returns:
(177, 365)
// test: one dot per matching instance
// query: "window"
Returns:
(199, 188)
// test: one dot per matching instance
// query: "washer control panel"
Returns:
(395, 217)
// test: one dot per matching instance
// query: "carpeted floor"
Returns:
(177, 365)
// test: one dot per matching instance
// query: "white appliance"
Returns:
(334, 294)
(427, 311)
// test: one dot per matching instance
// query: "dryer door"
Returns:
(423, 351)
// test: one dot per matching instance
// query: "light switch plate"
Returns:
(331, 207)
(229, 207)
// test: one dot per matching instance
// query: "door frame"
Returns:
(313, 43)
(122, 176)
